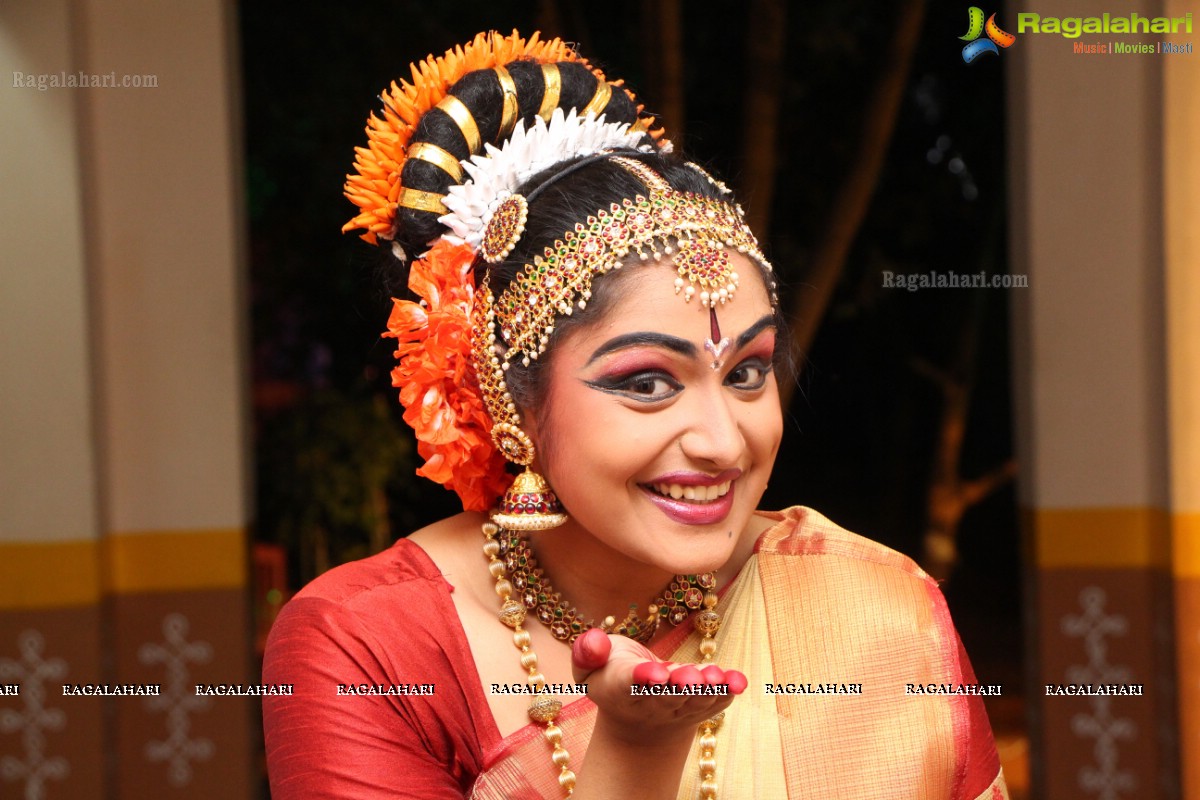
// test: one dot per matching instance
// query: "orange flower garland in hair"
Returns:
(438, 387)
(376, 187)
(437, 383)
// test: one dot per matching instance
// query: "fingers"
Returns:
(648, 694)
(651, 673)
(656, 673)
(613, 666)
(687, 675)
(686, 695)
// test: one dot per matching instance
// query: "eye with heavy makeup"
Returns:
(651, 368)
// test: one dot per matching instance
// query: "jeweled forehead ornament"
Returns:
(696, 232)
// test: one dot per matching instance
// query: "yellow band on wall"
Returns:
(49, 575)
(1102, 538)
(65, 574)
(1185, 538)
(175, 560)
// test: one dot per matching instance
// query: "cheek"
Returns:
(763, 426)
(570, 433)
(589, 442)
(610, 441)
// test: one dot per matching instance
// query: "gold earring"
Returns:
(529, 504)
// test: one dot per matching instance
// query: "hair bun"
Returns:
(455, 106)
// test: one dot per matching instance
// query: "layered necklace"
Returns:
(674, 604)
(515, 570)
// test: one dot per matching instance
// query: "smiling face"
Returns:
(653, 451)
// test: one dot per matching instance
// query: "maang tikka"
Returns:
(695, 231)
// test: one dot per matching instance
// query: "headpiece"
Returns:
(458, 343)
(377, 189)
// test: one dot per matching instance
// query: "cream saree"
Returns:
(815, 613)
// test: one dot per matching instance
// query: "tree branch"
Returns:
(854, 198)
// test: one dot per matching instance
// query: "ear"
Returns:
(532, 428)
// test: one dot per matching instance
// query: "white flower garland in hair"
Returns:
(498, 171)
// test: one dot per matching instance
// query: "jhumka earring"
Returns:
(528, 505)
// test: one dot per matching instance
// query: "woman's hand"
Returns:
(612, 665)
(634, 731)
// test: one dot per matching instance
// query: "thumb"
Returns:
(589, 653)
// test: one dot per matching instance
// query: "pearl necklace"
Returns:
(544, 709)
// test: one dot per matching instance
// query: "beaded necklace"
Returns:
(544, 708)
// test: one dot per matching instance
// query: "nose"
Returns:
(713, 436)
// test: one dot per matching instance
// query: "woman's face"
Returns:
(651, 449)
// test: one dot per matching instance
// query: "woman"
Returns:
(595, 311)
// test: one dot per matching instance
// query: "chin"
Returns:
(691, 549)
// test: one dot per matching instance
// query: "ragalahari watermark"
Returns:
(912, 281)
(44, 81)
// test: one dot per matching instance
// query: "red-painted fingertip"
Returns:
(651, 673)
(591, 650)
(736, 680)
(687, 675)
(713, 675)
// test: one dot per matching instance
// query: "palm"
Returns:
(611, 665)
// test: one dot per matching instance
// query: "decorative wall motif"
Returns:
(35, 720)
(178, 700)
(1103, 778)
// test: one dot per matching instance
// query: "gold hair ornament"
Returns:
(421, 201)
(553, 80)
(432, 154)
(508, 87)
(599, 100)
(457, 110)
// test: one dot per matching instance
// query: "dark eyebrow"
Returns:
(673, 343)
(754, 330)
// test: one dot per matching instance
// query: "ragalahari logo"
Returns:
(996, 38)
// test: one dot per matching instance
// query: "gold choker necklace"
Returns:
(684, 595)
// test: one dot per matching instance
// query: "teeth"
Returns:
(699, 494)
